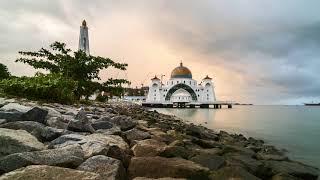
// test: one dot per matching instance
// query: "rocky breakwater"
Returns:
(125, 141)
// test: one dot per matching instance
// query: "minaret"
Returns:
(84, 38)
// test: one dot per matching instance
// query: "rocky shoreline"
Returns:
(126, 141)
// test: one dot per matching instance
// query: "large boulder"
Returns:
(158, 167)
(15, 141)
(58, 122)
(200, 132)
(81, 123)
(136, 135)
(237, 173)
(10, 116)
(148, 147)
(71, 156)
(250, 164)
(108, 168)
(292, 168)
(213, 162)
(40, 131)
(35, 114)
(44, 172)
(124, 122)
(96, 144)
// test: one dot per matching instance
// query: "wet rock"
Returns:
(148, 147)
(292, 168)
(49, 172)
(35, 114)
(71, 156)
(124, 122)
(40, 131)
(228, 173)
(158, 167)
(213, 162)
(14, 141)
(136, 135)
(206, 143)
(108, 168)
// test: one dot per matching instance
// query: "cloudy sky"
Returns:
(262, 52)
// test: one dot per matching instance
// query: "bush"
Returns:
(4, 73)
(51, 88)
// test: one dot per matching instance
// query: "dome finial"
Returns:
(84, 23)
(181, 63)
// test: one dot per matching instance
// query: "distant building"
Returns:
(181, 90)
(84, 38)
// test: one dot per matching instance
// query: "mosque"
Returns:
(181, 90)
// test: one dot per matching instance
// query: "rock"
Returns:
(158, 167)
(213, 162)
(15, 107)
(237, 149)
(124, 122)
(206, 143)
(166, 178)
(10, 116)
(292, 168)
(81, 123)
(200, 132)
(265, 156)
(102, 125)
(40, 131)
(284, 177)
(2, 121)
(57, 122)
(35, 114)
(250, 164)
(108, 168)
(229, 173)
(71, 156)
(148, 147)
(136, 134)
(49, 173)
(15, 141)
(96, 144)
(177, 151)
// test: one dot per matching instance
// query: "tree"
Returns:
(78, 66)
(4, 73)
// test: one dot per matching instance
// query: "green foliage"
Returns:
(4, 73)
(101, 98)
(114, 87)
(78, 66)
(51, 88)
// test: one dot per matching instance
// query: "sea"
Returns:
(293, 128)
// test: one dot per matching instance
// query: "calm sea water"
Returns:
(294, 128)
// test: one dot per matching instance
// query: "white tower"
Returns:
(84, 38)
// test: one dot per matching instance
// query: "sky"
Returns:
(261, 52)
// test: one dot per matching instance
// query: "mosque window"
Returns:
(184, 82)
(190, 82)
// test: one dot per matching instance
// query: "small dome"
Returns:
(207, 78)
(181, 72)
(155, 78)
(84, 23)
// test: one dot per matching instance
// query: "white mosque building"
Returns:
(181, 91)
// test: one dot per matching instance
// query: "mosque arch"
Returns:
(181, 86)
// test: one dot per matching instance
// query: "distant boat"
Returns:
(312, 104)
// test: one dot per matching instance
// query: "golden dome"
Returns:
(181, 72)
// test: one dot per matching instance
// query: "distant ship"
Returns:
(312, 104)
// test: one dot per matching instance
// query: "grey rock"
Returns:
(292, 168)
(206, 143)
(2, 121)
(108, 168)
(124, 122)
(14, 141)
(102, 125)
(228, 173)
(136, 134)
(35, 114)
(43, 172)
(57, 122)
(71, 156)
(250, 164)
(81, 123)
(284, 177)
(159, 167)
(266, 156)
(15, 107)
(40, 131)
(177, 151)
(10, 116)
(200, 132)
(213, 162)
(237, 149)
